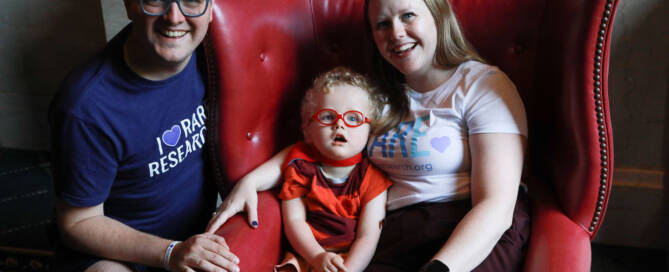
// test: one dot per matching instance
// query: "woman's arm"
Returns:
(244, 195)
(497, 162)
(302, 239)
(368, 233)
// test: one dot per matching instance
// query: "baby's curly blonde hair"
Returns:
(337, 77)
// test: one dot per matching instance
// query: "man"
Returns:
(128, 136)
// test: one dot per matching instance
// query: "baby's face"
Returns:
(340, 141)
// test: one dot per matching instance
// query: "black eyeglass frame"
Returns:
(206, 6)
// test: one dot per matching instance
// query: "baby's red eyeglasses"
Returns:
(351, 118)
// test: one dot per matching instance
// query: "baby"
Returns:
(333, 199)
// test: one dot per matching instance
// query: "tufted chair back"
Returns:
(263, 54)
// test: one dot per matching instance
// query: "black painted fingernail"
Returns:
(254, 223)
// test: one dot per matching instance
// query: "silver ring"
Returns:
(214, 214)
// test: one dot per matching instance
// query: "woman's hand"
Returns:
(328, 262)
(243, 197)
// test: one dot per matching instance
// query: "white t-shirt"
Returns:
(427, 156)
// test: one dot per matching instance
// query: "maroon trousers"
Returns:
(412, 235)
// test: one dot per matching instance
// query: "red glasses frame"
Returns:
(340, 116)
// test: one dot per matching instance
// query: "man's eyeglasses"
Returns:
(351, 118)
(190, 8)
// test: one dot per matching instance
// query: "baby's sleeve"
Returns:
(374, 183)
(294, 184)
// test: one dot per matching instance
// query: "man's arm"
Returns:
(87, 229)
(368, 233)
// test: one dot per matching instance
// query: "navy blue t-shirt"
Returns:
(133, 144)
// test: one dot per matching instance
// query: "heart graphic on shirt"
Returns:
(171, 136)
(440, 143)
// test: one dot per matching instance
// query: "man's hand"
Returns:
(203, 252)
(242, 198)
(328, 262)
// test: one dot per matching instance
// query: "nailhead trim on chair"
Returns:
(599, 52)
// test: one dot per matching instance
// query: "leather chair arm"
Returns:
(558, 243)
(258, 249)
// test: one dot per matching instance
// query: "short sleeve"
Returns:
(492, 105)
(374, 183)
(84, 161)
(294, 184)
(299, 151)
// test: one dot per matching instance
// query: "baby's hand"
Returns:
(328, 262)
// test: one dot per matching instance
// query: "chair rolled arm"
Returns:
(558, 243)
(258, 249)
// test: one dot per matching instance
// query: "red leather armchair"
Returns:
(262, 54)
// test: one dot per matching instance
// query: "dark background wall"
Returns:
(41, 41)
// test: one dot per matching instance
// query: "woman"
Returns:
(453, 146)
